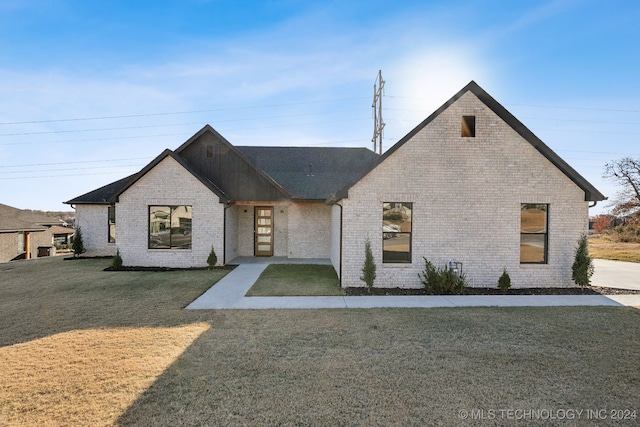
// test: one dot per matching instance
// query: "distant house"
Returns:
(470, 186)
(22, 232)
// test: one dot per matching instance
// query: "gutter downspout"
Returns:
(340, 268)
(593, 205)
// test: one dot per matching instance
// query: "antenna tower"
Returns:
(378, 123)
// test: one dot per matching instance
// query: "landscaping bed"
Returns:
(592, 290)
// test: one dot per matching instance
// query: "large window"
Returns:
(112, 223)
(396, 232)
(170, 227)
(533, 233)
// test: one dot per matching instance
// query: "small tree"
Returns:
(78, 245)
(116, 264)
(601, 223)
(504, 282)
(582, 265)
(212, 259)
(369, 267)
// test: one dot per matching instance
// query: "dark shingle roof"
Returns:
(103, 195)
(310, 173)
(13, 219)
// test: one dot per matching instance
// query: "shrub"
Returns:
(116, 264)
(582, 265)
(601, 223)
(504, 282)
(628, 233)
(369, 267)
(212, 259)
(442, 281)
(78, 245)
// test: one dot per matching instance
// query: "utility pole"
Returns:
(378, 123)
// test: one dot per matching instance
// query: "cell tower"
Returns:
(378, 123)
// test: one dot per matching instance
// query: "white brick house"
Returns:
(470, 185)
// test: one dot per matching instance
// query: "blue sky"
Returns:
(91, 91)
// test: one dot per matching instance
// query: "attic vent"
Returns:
(310, 173)
(209, 150)
(468, 126)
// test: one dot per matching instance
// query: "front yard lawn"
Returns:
(297, 280)
(80, 346)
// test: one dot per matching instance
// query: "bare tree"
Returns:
(625, 172)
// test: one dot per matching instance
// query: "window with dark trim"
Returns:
(170, 227)
(396, 232)
(534, 233)
(468, 126)
(112, 223)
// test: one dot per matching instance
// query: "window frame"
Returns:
(408, 259)
(469, 125)
(111, 214)
(545, 234)
(171, 246)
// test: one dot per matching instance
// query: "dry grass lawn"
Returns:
(79, 346)
(603, 248)
(297, 280)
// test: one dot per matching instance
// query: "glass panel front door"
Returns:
(263, 232)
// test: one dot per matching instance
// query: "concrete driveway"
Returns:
(616, 274)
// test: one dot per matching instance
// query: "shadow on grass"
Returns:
(396, 366)
(48, 296)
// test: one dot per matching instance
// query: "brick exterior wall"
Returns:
(309, 231)
(335, 250)
(466, 195)
(168, 184)
(301, 230)
(231, 234)
(92, 219)
(9, 244)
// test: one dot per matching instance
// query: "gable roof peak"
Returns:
(591, 193)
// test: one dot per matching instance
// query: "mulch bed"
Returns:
(591, 290)
(226, 267)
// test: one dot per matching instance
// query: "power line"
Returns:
(62, 176)
(172, 113)
(90, 139)
(70, 169)
(563, 107)
(164, 125)
(76, 162)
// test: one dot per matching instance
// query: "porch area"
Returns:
(277, 260)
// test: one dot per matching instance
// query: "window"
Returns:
(170, 227)
(468, 126)
(396, 232)
(112, 223)
(209, 150)
(21, 241)
(533, 233)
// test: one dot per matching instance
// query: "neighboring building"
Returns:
(22, 232)
(470, 186)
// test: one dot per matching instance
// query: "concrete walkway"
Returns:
(229, 293)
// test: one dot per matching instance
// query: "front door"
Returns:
(264, 232)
